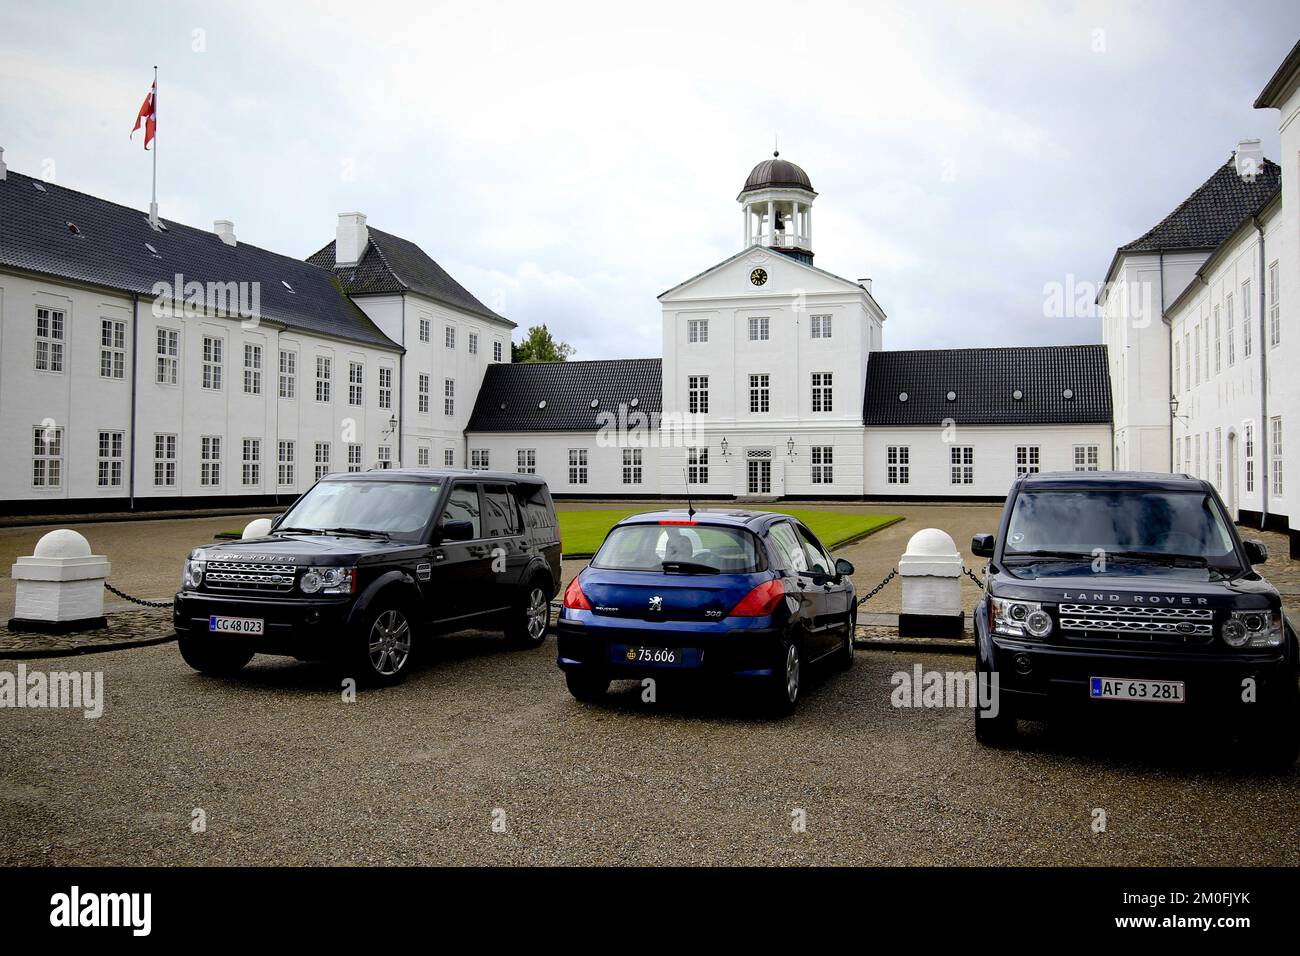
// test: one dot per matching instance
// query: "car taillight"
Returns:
(574, 599)
(761, 601)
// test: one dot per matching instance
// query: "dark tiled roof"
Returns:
(1213, 212)
(109, 250)
(984, 381)
(393, 264)
(1276, 85)
(510, 393)
(777, 173)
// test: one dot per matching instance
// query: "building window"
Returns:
(252, 369)
(1245, 319)
(898, 468)
(697, 330)
(1196, 461)
(449, 396)
(758, 329)
(1248, 441)
(760, 394)
(288, 374)
(496, 351)
(112, 349)
(49, 339)
(324, 459)
(422, 392)
(422, 456)
(164, 461)
(424, 330)
(252, 462)
(819, 326)
(526, 461)
(354, 458)
(210, 460)
(1218, 458)
(110, 460)
(479, 458)
(449, 336)
(1178, 455)
(1187, 455)
(821, 392)
(1230, 330)
(473, 343)
(1087, 457)
(385, 388)
(213, 356)
(356, 383)
(822, 464)
(697, 394)
(697, 466)
(1275, 458)
(1026, 459)
(1178, 378)
(631, 466)
(285, 459)
(1218, 359)
(1196, 338)
(1274, 307)
(448, 457)
(168, 370)
(385, 453)
(324, 376)
(962, 464)
(47, 456)
(577, 466)
(1187, 360)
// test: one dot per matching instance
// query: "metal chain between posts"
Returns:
(972, 575)
(878, 588)
(136, 600)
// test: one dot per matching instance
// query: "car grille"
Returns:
(1174, 624)
(241, 576)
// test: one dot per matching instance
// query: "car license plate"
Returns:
(235, 625)
(660, 656)
(1118, 688)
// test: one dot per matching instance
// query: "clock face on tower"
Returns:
(758, 276)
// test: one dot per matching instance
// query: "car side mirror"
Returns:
(843, 567)
(1256, 550)
(982, 545)
(456, 531)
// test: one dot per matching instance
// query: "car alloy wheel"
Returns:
(539, 614)
(792, 673)
(390, 642)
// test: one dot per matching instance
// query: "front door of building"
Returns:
(758, 462)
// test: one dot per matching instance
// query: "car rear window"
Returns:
(645, 547)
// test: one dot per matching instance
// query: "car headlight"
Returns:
(1262, 628)
(193, 575)
(329, 581)
(1020, 618)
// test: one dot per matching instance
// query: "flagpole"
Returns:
(153, 204)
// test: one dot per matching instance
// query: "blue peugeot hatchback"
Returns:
(735, 594)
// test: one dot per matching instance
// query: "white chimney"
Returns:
(1249, 159)
(226, 230)
(351, 239)
(865, 283)
(4, 170)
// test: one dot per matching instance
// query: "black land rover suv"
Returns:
(1113, 594)
(362, 565)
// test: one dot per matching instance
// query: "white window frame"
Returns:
(356, 384)
(288, 363)
(51, 339)
(285, 462)
(426, 329)
(422, 393)
(577, 466)
(1230, 329)
(1087, 457)
(165, 457)
(1027, 459)
(760, 393)
(214, 359)
(819, 326)
(823, 464)
(961, 465)
(449, 337)
(449, 396)
(898, 464)
(632, 472)
(1275, 457)
(252, 368)
(1246, 340)
(385, 387)
(324, 378)
(473, 343)
(110, 458)
(823, 391)
(112, 349)
(759, 328)
(384, 455)
(167, 350)
(47, 456)
(324, 454)
(526, 461)
(480, 459)
(356, 457)
(210, 461)
(697, 394)
(497, 350)
(1248, 448)
(250, 465)
(697, 465)
(1274, 304)
(697, 331)
(449, 457)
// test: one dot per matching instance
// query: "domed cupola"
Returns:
(777, 203)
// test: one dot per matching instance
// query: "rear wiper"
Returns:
(299, 531)
(688, 567)
(358, 532)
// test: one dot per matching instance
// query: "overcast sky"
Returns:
(568, 162)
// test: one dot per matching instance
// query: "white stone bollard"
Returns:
(60, 587)
(931, 573)
(257, 528)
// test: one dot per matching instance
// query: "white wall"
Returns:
(604, 464)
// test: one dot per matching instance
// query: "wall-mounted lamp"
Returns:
(789, 447)
(724, 447)
(1173, 409)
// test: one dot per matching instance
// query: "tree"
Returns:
(540, 346)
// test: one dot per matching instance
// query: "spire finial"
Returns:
(776, 146)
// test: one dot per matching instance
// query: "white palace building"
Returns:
(146, 365)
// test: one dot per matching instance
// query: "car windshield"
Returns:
(1124, 523)
(687, 549)
(395, 509)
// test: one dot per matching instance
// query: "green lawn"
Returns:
(583, 531)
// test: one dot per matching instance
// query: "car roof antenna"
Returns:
(690, 508)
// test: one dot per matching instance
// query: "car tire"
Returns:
(998, 731)
(845, 656)
(530, 618)
(782, 690)
(209, 656)
(381, 649)
(585, 686)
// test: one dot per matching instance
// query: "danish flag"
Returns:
(148, 115)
